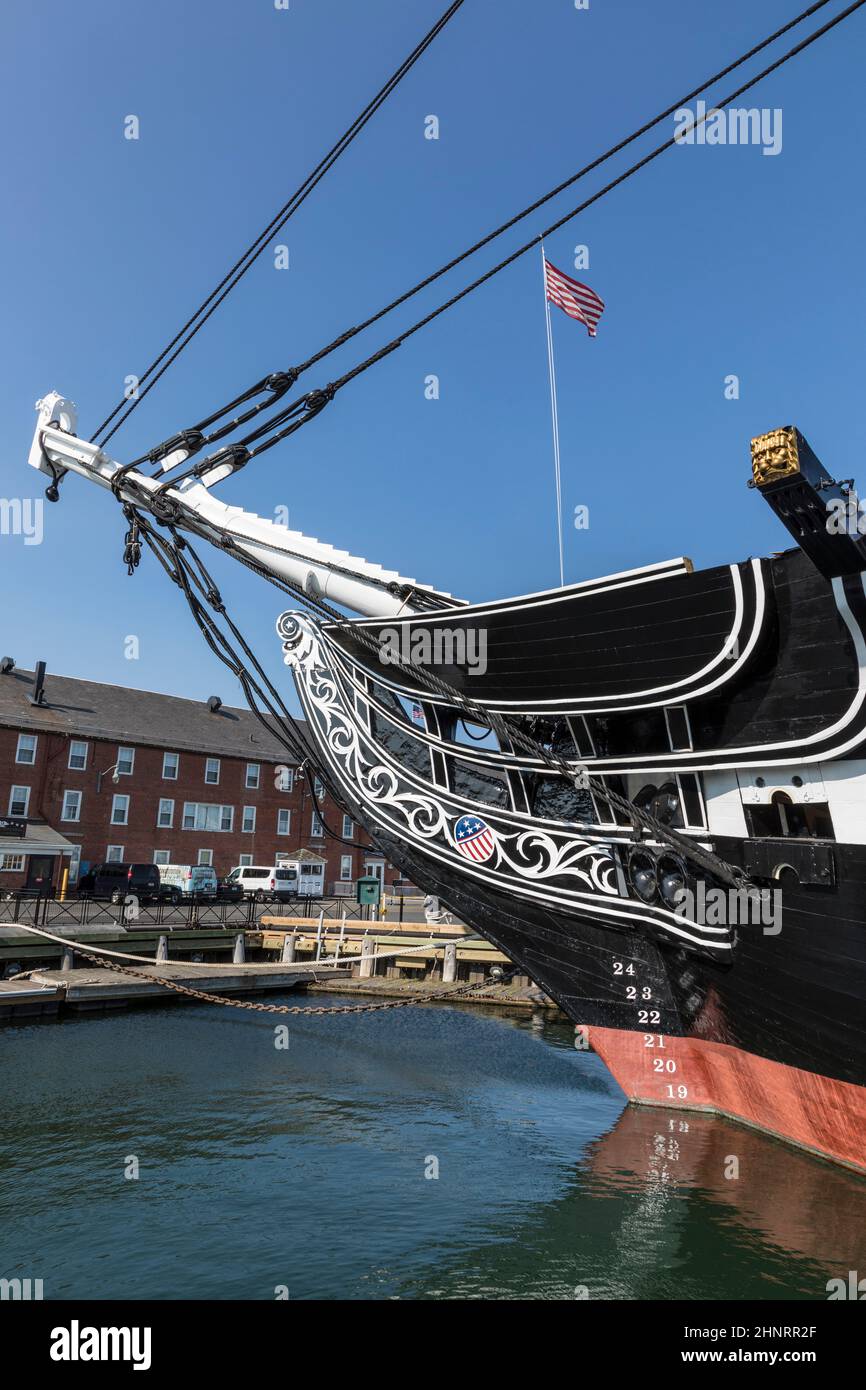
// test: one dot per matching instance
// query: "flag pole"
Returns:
(554, 416)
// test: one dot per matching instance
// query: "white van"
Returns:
(187, 880)
(265, 882)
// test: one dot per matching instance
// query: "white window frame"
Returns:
(115, 807)
(319, 788)
(191, 811)
(345, 868)
(19, 815)
(253, 777)
(348, 828)
(27, 762)
(78, 743)
(77, 798)
(285, 781)
(209, 765)
(316, 821)
(165, 824)
(205, 863)
(244, 861)
(170, 776)
(158, 860)
(121, 751)
(287, 812)
(114, 854)
(248, 813)
(7, 868)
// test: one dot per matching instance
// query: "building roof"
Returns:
(91, 710)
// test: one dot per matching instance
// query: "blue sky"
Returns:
(713, 261)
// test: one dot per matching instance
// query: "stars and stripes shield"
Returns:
(474, 839)
(575, 299)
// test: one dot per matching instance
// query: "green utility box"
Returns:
(369, 890)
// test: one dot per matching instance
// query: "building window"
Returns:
(19, 801)
(248, 824)
(26, 750)
(11, 863)
(284, 780)
(253, 775)
(170, 766)
(165, 814)
(317, 830)
(205, 856)
(244, 860)
(119, 810)
(125, 761)
(77, 756)
(199, 815)
(319, 787)
(162, 856)
(114, 854)
(284, 821)
(212, 771)
(345, 866)
(348, 828)
(71, 806)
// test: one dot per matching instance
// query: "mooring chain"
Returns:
(252, 1005)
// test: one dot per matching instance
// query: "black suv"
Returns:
(118, 881)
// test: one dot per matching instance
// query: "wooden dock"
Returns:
(95, 988)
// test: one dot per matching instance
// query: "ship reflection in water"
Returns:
(304, 1168)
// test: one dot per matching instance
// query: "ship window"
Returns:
(400, 742)
(485, 784)
(692, 801)
(473, 735)
(581, 735)
(553, 798)
(554, 735)
(618, 735)
(408, 711)
(787, 819)
(678, 728)
(605, 813)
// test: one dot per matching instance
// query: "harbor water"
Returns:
(188, 1152)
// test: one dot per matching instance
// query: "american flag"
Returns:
(474, 839)
(577, 300)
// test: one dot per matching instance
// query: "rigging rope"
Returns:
(254, 250)
(195, 436)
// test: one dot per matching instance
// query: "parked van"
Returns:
(187, 881)
(118, 881)
(265, 883)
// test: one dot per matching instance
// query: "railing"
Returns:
(35, 910)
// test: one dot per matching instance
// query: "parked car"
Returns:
(229, 890)
(119, 881)
(180, 881)
(265, 883)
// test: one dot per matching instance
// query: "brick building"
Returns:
(92, 772)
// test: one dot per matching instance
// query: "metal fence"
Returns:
(37, 910)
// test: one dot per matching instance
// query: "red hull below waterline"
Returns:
(825, 1116)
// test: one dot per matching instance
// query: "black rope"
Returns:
(254, 250)
(295, 372)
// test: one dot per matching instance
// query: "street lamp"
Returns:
(115, 776)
